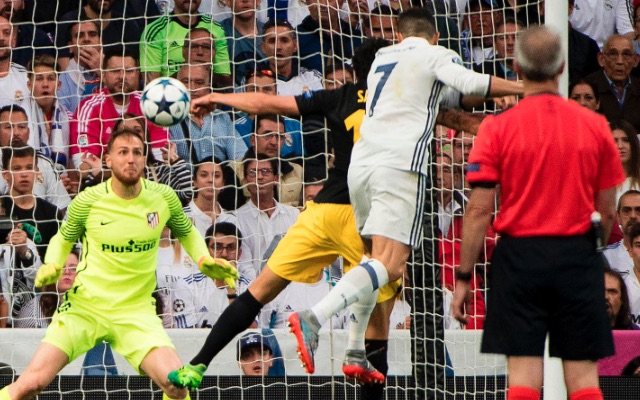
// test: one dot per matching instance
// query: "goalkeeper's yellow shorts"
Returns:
(322, 232)
(77, 327)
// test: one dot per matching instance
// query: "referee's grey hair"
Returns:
(539, 53)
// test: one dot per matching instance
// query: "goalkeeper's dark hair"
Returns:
(364, 56)
(9, 153)
(418, 22)
(124, 132)
(223, 228)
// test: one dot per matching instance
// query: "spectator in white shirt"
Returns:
(262, 220)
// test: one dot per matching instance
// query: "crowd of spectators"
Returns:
(72, 74)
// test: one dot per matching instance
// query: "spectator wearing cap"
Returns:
(257, 354)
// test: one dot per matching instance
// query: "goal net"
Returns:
(271, 46)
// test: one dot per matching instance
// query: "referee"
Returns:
(556, 163)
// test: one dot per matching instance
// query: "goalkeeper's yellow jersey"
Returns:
(120, 242)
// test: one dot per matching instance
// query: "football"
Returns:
(165, 101)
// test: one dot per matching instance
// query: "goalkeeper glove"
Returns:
(48, 274)
(219, 268)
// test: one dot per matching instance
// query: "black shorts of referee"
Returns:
(547, 284)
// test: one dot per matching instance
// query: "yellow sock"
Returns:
(164, 397)
(4, 394)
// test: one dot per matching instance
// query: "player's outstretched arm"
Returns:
(252, 103)
(501, 87)
(460, 120)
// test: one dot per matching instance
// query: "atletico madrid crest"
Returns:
(153, 219)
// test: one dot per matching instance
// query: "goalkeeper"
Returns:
(120, 222)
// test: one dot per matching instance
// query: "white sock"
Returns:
(359, 313)
(354, 285)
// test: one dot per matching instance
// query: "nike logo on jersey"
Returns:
(105, 223)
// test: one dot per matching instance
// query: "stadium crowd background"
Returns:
(71, 73)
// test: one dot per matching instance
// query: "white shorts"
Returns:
(388, 202)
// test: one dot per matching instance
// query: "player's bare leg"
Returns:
(234, 319)
(157, 365)
(47, 361)
(392, 254)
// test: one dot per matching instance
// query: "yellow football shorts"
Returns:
(77, 327)
(322, 232)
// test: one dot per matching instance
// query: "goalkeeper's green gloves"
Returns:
(48, 274)
(219, 268)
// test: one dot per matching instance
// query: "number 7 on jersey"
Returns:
(386, 71)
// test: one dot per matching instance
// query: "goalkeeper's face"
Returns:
(126, 159)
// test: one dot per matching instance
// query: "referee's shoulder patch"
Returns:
(473, 167)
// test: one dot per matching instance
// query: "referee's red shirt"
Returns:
(550, 157)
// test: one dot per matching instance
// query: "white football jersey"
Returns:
(600, 19)
(14, 89)
(633, 288)
(406, 84)
(618, 258)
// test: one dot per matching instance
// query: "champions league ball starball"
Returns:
(165, 102)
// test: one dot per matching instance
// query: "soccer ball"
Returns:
(165, 102)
